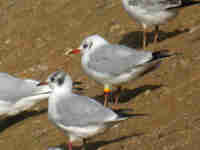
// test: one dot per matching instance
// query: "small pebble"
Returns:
(7, 41)
(147, 92)
(114, 27)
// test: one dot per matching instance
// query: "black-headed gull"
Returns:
(151, 13)
(112, 64)
(80, 117)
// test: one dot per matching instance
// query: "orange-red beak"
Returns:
(42, 83)
(75, 51)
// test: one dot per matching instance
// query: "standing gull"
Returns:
(151, 13)
(80, 117)
(17, 94)
(112, 64)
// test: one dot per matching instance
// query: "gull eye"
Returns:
(85, 46)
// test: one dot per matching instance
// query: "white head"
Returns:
(90, 43)
(60, 79)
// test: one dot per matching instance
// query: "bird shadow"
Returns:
(97, 144)
(187, 3)
(127, 94)
(11, 120)
(134, 39)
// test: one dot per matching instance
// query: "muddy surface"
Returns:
(34, 36)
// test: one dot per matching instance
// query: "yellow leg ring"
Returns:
(107, 90)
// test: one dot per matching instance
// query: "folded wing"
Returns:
(117, 59)
(83, 111)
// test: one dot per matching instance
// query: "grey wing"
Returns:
(117, 59)
(80, 111)
(156, 5)
(12, 89)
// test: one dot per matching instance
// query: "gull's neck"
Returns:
(56, 96)
(59, 92)
(63, 90)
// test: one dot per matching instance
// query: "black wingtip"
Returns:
(123, 111)
(128, 113)
(163, 54)
(186, 3)
(134, 115)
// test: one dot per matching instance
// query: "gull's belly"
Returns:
(80, 132)
(150, 18)
(85, 132)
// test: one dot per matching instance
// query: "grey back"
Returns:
(117, 59)
(77, 110)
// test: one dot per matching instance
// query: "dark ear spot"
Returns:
(61, 81)
(52, 79)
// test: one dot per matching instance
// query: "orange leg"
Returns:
(119, 89)
(106, 97)
(83, 145)
(156, 34)
(70, 145)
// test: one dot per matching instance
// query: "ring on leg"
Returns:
(106, 94)
(119, 89)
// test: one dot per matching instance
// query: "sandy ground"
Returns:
(34, 36)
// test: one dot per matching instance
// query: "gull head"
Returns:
(59, 79)
(90, 44)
